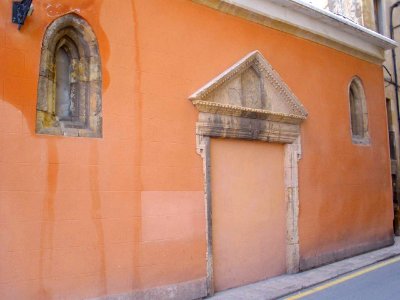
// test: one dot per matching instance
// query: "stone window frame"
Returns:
(72, 33)
(358, 112)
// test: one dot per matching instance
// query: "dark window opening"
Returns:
(63, 85)
(358, 112)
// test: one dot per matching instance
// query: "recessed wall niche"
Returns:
(69, 90)
(358, 112)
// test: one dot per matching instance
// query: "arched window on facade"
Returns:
(69, 91)
(358, 112)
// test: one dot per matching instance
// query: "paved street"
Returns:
(380, 281)
(319, 278)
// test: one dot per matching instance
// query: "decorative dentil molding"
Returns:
(251, 89)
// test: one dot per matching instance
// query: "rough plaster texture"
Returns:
(359, 11)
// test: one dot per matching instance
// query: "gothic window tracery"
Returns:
(69, 90)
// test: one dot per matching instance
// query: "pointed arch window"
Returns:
(358, 112)
(69, 90)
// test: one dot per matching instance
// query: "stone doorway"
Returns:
(250, 101)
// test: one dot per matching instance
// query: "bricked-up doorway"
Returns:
(251, 106)
(249, 212)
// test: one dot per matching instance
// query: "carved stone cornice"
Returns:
(246, 112)
(249, 101)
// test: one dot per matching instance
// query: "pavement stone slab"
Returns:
(281, 286)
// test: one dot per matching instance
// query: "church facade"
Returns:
(154, 149)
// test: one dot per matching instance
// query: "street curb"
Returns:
(285, 285)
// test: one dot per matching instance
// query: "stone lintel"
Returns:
(214, 125)
(246, 112)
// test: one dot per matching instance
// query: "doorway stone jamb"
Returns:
(250, 101)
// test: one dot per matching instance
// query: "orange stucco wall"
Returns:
(248, 212)
(82, 218)
(88, 217)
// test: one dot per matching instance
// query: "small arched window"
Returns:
(69, 90)
(358, 112)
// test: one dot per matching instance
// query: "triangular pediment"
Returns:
(251, 88)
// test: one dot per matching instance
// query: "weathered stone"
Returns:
(83, 117)
(252, 89)
(358, 112)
